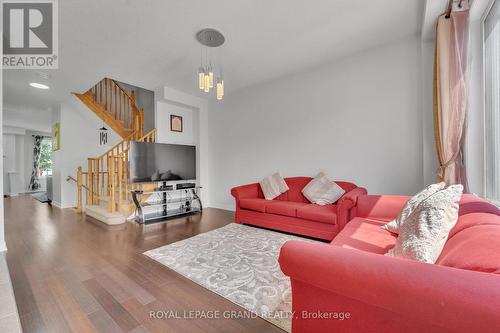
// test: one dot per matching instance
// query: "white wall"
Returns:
(79, 141)
(359, 119)
(194, 111)
(429, 155)
(165, 135)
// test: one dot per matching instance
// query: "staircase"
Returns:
(106, 180)
(116, 107)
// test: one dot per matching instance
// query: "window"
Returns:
(45, 166)
(492, 101)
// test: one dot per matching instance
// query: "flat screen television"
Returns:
(159, 162)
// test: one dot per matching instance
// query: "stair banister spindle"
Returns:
(120, 94)
(97, 178)
(105, 93)
(120, 179)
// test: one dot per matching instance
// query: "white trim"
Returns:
(482, 20)
(57, 204)
(3, 247)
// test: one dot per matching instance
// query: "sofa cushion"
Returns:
(473, 244)
(476, 248)
(295, 185)
(286, 208)
(258, 205)
(324, 214)
(365, 235)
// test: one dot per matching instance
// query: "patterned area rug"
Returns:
(238, 262)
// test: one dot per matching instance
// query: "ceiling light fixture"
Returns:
(39, 85)
(207, 78)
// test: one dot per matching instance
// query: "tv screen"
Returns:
(157, 162)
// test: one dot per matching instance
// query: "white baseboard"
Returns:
(56, 204)
(224, 206)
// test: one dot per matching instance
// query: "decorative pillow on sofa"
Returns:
(410, 205)
(425, 231)
(322, 191)
(273, 186)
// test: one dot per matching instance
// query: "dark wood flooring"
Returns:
(70, 274)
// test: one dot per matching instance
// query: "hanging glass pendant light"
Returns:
(211, 77)
(201, 78)
(220, 89)
(207, 82)
(210, 38)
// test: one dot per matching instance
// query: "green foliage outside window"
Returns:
(46, 156)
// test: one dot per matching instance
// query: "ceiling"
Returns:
(152, 43)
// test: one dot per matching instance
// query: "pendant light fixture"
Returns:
(209, 75)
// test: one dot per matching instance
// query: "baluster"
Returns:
(126, 176)
(89, 183)
(79, 189)
(97, 179)
(120, 179)
(111, 180)
(120, 94)
(105, 93)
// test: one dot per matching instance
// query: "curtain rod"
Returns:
(450, 7)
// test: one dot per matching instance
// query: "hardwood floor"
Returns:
(71, 274)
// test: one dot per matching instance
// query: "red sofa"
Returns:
(292, 212)
(460, 293)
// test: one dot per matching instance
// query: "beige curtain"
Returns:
(450, 95)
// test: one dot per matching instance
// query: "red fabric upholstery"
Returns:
(294, 225)
(249, 200)
(258, 205)
(474, 244)
(470, 203)
(325, 214)
(286, 208)
(460, 293)
(347, 204)
(366, 235)
(295, 185)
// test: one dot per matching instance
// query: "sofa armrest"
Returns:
(455, 299)
(346, 203)
(246, 191)
(380, 207)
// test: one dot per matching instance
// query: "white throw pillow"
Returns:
(273, 186)
(322, 191)
(410, 205)
(424, 233)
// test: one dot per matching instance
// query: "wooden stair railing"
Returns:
(115, 106)
(107, 176)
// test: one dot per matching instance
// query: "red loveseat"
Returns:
(292, 212)
(460, 293)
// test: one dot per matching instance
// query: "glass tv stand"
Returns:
(167, 202)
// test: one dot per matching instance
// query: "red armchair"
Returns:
(460, 293)
(292, 212)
